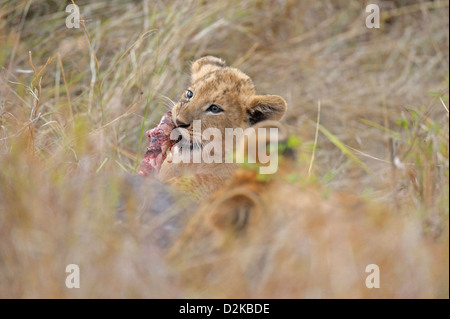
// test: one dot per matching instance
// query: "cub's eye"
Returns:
(189, 94)
(214, 109)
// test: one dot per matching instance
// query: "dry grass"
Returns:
(75, 103)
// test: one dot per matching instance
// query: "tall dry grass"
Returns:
(75, 104)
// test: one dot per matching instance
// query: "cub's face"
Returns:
(222, 97)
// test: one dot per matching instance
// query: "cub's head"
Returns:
(223, 97)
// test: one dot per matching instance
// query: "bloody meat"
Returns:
(160, 144)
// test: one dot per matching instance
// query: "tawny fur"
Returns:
(212, 82)
(266, 236)
(274, 238)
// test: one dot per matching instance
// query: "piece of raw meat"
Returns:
(160, 143)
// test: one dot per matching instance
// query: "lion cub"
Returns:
(278, 238)
(218, 97)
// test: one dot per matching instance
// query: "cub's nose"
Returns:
(182, 124)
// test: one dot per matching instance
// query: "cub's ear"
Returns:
(265, 107)
(236, 211)
(205, 65)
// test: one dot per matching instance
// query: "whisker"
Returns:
(169, 103)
